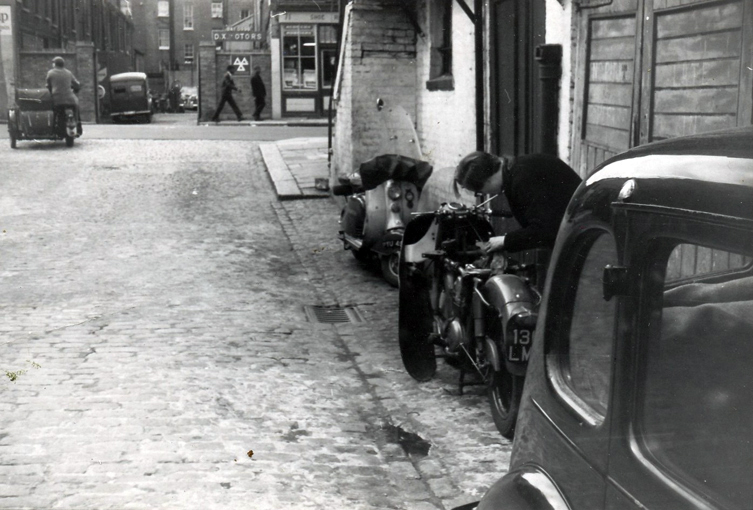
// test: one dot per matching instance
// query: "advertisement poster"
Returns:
(7, 63)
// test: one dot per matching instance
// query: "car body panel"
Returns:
(646, 212)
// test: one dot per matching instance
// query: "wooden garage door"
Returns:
(696, 77)
(653, 69)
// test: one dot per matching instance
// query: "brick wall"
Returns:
(385, 58)
(34, 65)
(446, 120)
(210, 94)
(379, 62)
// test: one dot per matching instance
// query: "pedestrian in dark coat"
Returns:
(228, 86)
(538, 188)
(259, 91)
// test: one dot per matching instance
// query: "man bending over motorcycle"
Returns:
(538, 188)
(62, 86)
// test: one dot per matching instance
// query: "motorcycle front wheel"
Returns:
(505, 391)
(415, 323)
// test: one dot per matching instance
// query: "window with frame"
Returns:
(696, 387)
(299, 57)
(584, 323)
(440, 59)
(188, 54)
(164, 38)
(216, 9)
(245, 13)
(187, 16)
(163, 9)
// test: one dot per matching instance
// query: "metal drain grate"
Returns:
(332, 314)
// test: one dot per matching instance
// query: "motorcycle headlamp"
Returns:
(394, 192)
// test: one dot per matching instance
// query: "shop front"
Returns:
(306, 62)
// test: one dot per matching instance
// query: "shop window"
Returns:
(440, 61)
(188, 54)
(163, 9)
(299, 57)
(696, 386)
(216, 9)
(164, 38)
(327, 34)
(188, 17)
(583, 333)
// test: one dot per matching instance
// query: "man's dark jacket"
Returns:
(258, 90)
(228, 85)
(538, 188)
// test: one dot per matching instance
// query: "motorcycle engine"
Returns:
(454, 335)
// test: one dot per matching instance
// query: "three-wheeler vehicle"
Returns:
(130, 98)
(639, 391)
(33, 117)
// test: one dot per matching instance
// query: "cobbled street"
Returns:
(156, 352)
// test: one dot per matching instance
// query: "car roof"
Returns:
(711, 172)
(127, 77)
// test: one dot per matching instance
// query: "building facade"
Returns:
(171, 32)
(96, 37)
(303, 46)
(582, 79)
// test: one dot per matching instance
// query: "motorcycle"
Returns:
(476, 311)
(33, 117)
(380, 198)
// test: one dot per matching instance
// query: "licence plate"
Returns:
(518, 349)
(392, 244)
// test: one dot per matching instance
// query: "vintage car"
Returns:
(639, 391)
(130, 98)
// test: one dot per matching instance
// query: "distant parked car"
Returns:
(639, 390)
(190, 98)
(130, 97)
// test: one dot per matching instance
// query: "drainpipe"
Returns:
(549, 59)
(478, 7)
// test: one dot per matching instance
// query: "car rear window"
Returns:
(697, 387)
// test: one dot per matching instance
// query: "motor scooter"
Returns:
(380, 198)
(33, 117)
(381, 195)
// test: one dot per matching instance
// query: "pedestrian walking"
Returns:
(259, 91)
(228, 86)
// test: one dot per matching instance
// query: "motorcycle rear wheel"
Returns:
(504, 393)
(12, 139)
(69, 141)
(415, 324)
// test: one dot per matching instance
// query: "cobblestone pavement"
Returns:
(152, 336)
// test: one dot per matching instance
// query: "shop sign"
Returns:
(310, 17)
(235, 36)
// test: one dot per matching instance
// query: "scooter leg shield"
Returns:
(353, 217)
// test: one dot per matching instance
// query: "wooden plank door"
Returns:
(697, 67)
(606, 97)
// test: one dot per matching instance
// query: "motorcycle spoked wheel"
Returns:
(504, 391)
(415, 325)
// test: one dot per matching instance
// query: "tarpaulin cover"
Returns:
(393, 166)
(34, 99)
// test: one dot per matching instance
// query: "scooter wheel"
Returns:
(390, 268)
(69, 141)
(12, 140)
(361, 255)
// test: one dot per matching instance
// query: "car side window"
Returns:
(584, 335)
(696, 392)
